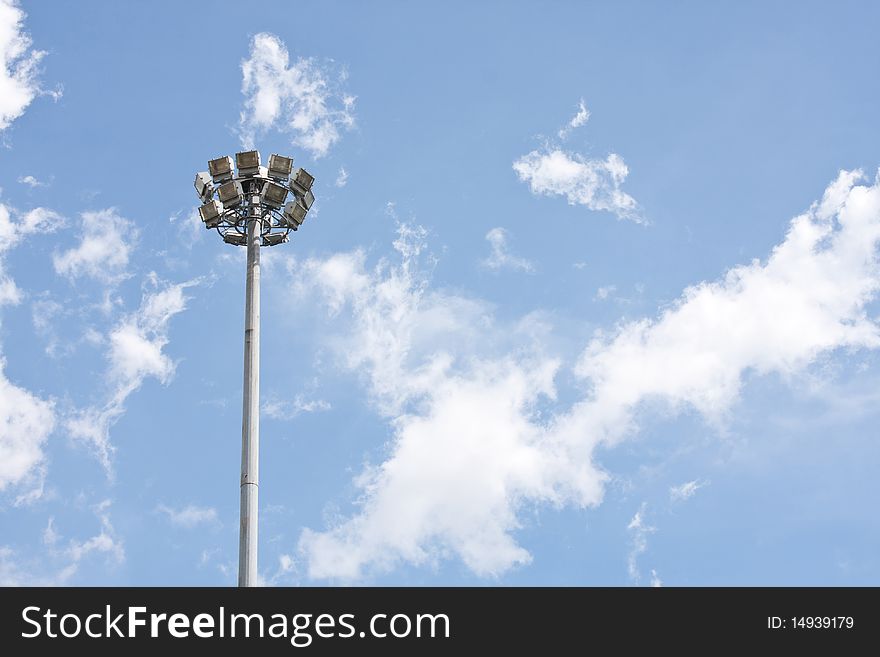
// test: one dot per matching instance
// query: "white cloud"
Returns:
(604, 292)
(60, 563)
(287, 410)
(466, 449)
(105, 542)
(189, 516)
(342, 178)
(14, 227)
(50, 536)
(639, 531)
(593, 183)
(301, 99)
(19, 65)
(808, 298)
(20, 570)
(579, 119)
(135, 352)
(471, 446)
(656, 582)
(32, 182)
(500, 256)
(189, 226)
(685, 491)
(104, 248)
(25, 424)
(25, 420)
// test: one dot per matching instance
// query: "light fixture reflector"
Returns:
(294, 214)
(280, 166)
(230, 194)
(274, 195)
(210, 213)
(203, 185)
(306, 200)
(248, 163)
(301, 181)
(220, 168)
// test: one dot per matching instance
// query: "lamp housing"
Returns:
(221, 169)
(294, 214)
(301, 181)
(211, 213)
(274, 195)
(203, 185)
(230, 194)
(280, 167)
(248, 163)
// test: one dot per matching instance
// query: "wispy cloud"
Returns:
(656, 582)
(639, 531)
(61, 560)
(134, 353)
(32, 182)
(287, 410)
(579, 119)
(190, 515)
(686, 490)
(26, 421)
(14, 228)
(342, 178)
(500, 256)
(303, 99)
(605, 292)
(106, 241)
(189, 227)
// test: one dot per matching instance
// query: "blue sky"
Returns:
(588, 295)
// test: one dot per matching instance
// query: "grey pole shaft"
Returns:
(250, 423)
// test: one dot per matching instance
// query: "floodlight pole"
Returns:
(250, 421)
(251, 209)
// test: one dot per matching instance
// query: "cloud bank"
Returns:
(472, 445)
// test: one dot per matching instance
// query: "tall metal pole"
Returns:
(252, 209)
(250, 422)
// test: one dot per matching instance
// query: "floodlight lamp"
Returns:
(272, 240)
(235, 238)
(274, 195)
(294, 214)
(210, 213)
(248, 163)
(301, 181)
(306, 200)
(280, 166)
(221, 168)
(230, 194)
(203, 185)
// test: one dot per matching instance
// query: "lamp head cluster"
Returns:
(275, 195)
